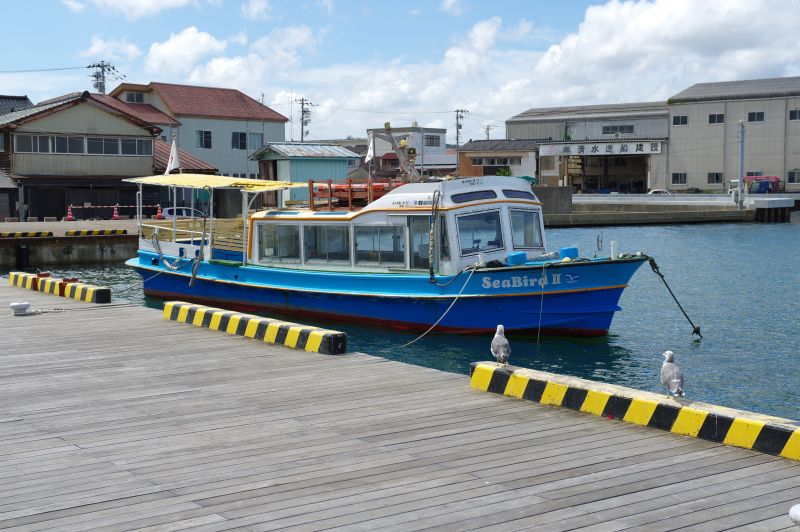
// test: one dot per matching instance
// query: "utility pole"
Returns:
(99, 76)
(459, 117)
(487, 128)
(740, 195)
(305, 116)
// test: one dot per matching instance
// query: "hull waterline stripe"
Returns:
(766, 434)
(372, 295)
(271, 331)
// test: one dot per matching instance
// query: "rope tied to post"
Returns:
(654, 267)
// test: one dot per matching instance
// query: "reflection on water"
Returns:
(739, 282)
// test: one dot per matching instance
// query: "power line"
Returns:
(40, 70)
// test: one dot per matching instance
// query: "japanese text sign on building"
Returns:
(602, 148)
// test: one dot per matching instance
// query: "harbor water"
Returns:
(739, 282)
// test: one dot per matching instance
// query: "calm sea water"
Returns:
(738, 282)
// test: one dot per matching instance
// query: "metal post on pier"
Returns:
(740, 192)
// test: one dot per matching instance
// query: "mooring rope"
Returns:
(471, 271)
(654, 267)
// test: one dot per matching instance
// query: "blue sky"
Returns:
(364, 63)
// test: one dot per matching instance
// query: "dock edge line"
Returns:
(49, 285)
(754, 434)
(95, 232)
(26, 234)
(287, 334)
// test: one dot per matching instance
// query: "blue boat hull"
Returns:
(577, 298)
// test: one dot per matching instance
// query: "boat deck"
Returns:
(113, 418)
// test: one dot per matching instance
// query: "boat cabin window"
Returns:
(479, 232)
(444, 242)
(326, 243)
(279, 241)
(419, 228)
(380, 244)
(518, 194)
(473, 196)
(525, 229)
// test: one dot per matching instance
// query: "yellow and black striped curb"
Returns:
(267, 330)
(87, 292)
(26, 234)
(758, 432)
(49, 285)
(23, 280)
(95, 232)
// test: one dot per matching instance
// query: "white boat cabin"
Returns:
(477, 219)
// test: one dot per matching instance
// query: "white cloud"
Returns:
(327, 5)
(256, 9)
(134, 9)
(112, 49)
(181, 52)
(282, 47)
(240, 38)
(74, 5)
(621, 51)
(415, 12)
(454, 7)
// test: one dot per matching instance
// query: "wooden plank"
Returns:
(115, 430)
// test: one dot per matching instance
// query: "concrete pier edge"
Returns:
(287, 334)
(758, 432)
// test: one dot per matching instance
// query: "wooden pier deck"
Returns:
(113, 418)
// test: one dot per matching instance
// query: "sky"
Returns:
(362, 63)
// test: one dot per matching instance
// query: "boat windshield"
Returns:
(525, 230)
(479, 232)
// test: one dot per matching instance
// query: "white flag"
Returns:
(174, 160)
(371, 149)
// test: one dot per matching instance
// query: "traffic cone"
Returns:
(115, 216)
(159, 215)
(70, 217)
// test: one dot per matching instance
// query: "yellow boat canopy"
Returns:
(214, 181)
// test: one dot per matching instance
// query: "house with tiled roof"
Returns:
(74, 150)
(217, 125)
(498, 156)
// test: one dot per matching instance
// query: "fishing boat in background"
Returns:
(460, 254)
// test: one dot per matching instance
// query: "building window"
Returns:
(757, 116)
(794, 114)
(718, 118)
(755, 174)
(793, 176)
(256, 141)
(547, 164)
(477, 161)
(134, 97)
(2, 142)
(680, 120)
(433, 140)
(238, 140)
(679, 178)
(715, 178)
(203, 139)
(612, 130)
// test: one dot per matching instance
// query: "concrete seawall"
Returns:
(48, 251)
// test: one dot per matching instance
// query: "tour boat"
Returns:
(461, 254)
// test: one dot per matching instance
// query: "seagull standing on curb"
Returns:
(671, 375)
(500, 346)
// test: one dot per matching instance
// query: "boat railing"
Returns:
(348, 195)
(228, 233)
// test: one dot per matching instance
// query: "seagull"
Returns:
(671, 375)
(794, 514)
(500, 347)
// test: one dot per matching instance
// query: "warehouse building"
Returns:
(689, 143)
